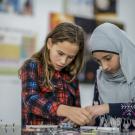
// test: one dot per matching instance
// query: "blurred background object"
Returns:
(24, 7)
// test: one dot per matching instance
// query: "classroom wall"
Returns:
(10, 86)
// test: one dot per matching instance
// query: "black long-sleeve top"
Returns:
(124, 112)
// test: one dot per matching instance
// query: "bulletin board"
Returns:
(15, 47)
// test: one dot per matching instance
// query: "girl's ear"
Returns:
(49, 43)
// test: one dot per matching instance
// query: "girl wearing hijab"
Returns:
(114, 93)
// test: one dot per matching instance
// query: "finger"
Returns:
(87, 114)
(79, 119)
(66, 120)
(84, 119)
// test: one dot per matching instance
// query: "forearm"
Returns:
(106, 108)
(122, 110)
(98, 110)
(63, 110)
(41, 106)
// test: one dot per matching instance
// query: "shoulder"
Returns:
(31, 64)
(30, 67)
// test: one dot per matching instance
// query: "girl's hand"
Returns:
(97, 110)
(79, 116)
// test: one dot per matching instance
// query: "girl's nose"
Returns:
(63, 60)
(105, 66)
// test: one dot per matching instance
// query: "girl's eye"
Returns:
(70, 57)
(108, 58)
(60, 53)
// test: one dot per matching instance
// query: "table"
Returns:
(16, 130)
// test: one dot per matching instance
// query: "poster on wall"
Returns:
(27, 47)
(15, 47)
(56, 18)
(105, 6)
(105, 9)
(21, 7)
(80, 8)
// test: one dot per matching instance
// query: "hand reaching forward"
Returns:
(79, 116)
(97, 110)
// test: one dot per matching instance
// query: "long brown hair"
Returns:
(62, 32)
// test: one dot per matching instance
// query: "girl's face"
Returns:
(62, 53)
(109, 62)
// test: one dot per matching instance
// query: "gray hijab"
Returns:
(118, 87)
